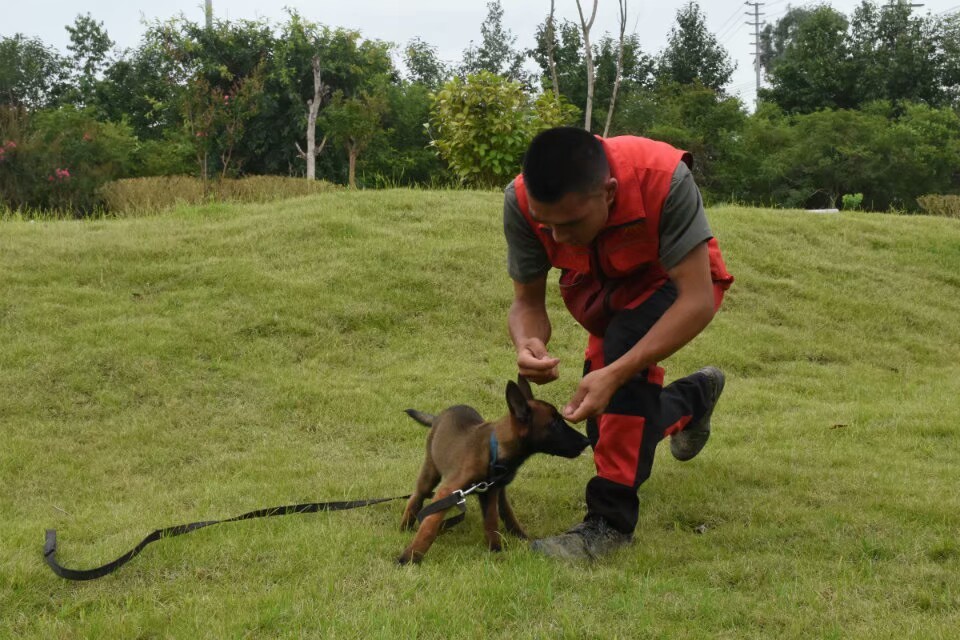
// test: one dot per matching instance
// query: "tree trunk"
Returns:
(314, 105)
(616, 81)
(352, 152)
(586, 25)
(551, 31)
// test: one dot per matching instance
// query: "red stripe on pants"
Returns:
(677, 426)
(618, 450)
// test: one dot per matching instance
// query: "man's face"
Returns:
(576, 218)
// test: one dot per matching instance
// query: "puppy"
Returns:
(460, 446)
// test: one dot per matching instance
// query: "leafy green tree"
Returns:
(895, 55)
(423, 65)
(496, 53)
(484, 123)
(949, 47)
(401, 154)
(89, 46)
(775, 37)
(814, 69)
(354, 122)
(32, 75)
(139, 87)
(348, 64)
(694, 118)
(692, 54)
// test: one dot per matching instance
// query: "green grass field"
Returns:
(215, 360)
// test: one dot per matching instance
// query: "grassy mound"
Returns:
(217, 359)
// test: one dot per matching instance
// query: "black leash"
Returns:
(50, 547)
(498, 472)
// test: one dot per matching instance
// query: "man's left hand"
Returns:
(592, 396)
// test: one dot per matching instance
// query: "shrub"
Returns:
(483, 125)
(153, 195)
(947, 206)
(852, 201)
(61, 158)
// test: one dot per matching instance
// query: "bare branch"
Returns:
(619, 74)
(551, 31)
(588, 55)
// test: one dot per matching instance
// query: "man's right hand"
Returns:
(535, 363)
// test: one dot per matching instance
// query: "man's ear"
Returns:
(611, 190)
(524, 385)
(517, 403)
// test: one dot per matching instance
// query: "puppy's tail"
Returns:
(423, 418)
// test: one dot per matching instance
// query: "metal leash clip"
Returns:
(480, 487)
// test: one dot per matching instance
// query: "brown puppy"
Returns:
(459, 452)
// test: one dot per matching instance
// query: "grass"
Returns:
(222, 358)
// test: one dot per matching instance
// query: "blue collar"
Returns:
(494, 447)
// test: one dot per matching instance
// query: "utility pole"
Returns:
(756, 41)
(209, 12)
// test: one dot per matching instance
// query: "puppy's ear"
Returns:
(524, 385)
(519, 408)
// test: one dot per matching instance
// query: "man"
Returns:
(624, 222)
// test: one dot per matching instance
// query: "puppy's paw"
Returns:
(409, 557)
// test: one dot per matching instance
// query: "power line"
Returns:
(729, 37)
(731, 19)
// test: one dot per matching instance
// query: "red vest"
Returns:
(621, 267)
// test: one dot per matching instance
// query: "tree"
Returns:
(32, 75)
(814, 70)
(496, 52)
(694, 118)
(141, 87)
(354, 121)
(550, 35)
(895, 55)
(949, 46)
(693, 55)
(320, 92)
(423, 65)
(89, 46)
(483, 124)
(775, 37)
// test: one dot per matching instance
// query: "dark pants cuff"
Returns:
(616, 503)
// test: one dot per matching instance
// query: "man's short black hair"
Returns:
(563, 160)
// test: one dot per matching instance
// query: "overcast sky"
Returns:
(449, 25)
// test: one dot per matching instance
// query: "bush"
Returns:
(484, 124)
(153, 195)
(60, 158)
(852, 201)
(947, 206)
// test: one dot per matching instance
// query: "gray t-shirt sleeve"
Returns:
(683, 222)
(527, 260)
